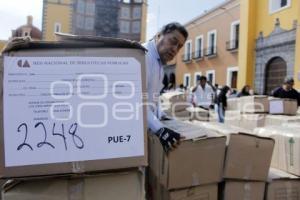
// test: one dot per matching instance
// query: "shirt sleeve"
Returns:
(154, 124)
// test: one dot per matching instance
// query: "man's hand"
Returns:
(168, 138)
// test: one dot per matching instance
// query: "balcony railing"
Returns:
(187, 58)
(211, 51)
(197, 55)
(232, 45)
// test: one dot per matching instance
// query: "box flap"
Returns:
(71, 41)
(190, 131)
(276, 174)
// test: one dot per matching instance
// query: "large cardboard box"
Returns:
(198, 160)
(233, 117)
(174, 101)
(248, 157)
(252, 121)
(205, 192)
(238, 190)
(277, 120)
(282, 185)
(287, 147)
(199, 114)
(79, 99)
(233, 104)
(254, 104)
(121, 185)
(283, 106)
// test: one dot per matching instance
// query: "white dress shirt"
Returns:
(154, 70)
(204, 97)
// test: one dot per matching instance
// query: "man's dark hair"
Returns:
(168, 28)
(203, 78)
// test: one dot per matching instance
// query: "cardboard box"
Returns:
(233, 104)
(199, 114)
(282, 185)
(233, 117)
(174, 101)
(252, 121)
(108, 143)
(254, 104)
(238, 190)
(123, 185)
(205, 192)
(283, 106)
(287, 149)
(248, 157)
(277, 120)
(198, 160)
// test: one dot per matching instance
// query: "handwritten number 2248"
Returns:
(78, 142)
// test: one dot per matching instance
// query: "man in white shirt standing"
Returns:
(162, 49)
(203, 94)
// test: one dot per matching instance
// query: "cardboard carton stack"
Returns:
(286, 150)
(282, 185)
(233, 112)
(191, 171)
(247, 162)
(174, 104)
(282, 111)
(56, 139)
(253, 109)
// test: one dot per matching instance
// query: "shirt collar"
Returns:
(153, 49)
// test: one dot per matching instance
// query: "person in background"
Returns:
(181, 88)
(203, 94)
(162, 49)
(245, 91)
(287, 90)
(221, 103)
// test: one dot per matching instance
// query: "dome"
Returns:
(28, 30)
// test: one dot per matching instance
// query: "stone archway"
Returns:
(276, 71)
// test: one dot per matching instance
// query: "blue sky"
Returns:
(13, 13)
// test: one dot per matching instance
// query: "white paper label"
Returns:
(65, 109)
(276, 107)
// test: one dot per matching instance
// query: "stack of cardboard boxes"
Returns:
(251, 112)
(247, 162)
(191, 171)
(85, 160)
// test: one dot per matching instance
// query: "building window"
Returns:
(57, 27)
(197, 76)
(198, 47)
(90, 8)
(138, 1)
(278, 5)
(233, 43)
(137, 12)
(80, 6)
(187, 51)
(187, 80)
(89, 23)
(232, 75)
(211, 43)
(125, 13)
(124, 27)
(210, 75)
(126, 1)
(79, 21)
(136, 27)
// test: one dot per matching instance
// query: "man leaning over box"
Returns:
(162, 49)
(287, 90)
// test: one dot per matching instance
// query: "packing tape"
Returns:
(78, 167)
(76, 189)
(247, 191)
